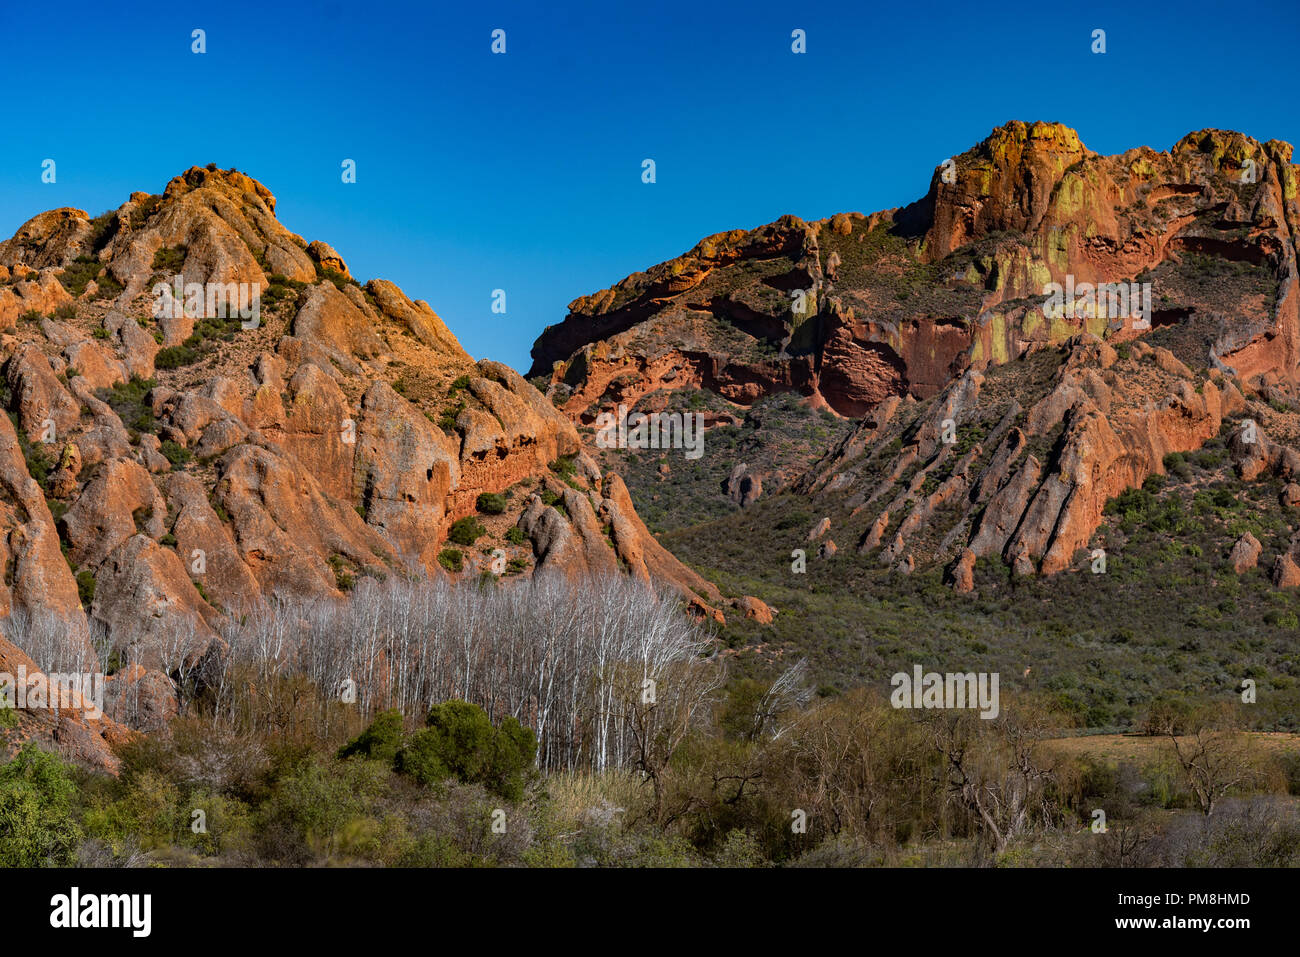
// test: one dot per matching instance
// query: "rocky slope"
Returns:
(163, 472)
(73, 726)
(993, 423)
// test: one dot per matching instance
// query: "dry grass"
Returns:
(574, 795)
(1146, 747)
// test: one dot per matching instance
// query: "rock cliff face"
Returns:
(995, 422)
(163, 469)
(976, 473)
(853, 309)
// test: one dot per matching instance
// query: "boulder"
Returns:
(1245, 553)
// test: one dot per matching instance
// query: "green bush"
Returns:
(379, 742)
(317, 807)
(169, 260)
(37, 828)
(515, 535)
(174, 357)
(460, 742)
(452, 559)
(128, 400)
(514, 751)
(39, 462)
(148, 813)
(564, 467)
(109, 287)
(466, 531)
(491, 503)
(86, 586)
(175, 453)
(79, 273)
(1177, 465)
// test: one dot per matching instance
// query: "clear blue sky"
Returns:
(523, 171)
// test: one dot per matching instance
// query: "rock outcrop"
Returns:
(1245, 553)
(161, 473)
(853, 309)
(61, 720)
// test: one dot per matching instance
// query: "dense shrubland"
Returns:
(437, 726)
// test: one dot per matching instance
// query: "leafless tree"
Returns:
(567, 658)
(1212, 754)
(997, 770)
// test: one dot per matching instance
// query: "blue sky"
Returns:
(523, 172)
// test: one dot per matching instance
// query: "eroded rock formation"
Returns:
(163, 471)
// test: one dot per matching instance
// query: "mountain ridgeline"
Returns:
(987, 420)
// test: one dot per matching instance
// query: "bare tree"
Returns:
(553, 653)
(1213, 755)
(997, 770)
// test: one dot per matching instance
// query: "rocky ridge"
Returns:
(991, 425)
(853, 309)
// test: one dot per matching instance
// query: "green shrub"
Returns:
(491, 503)
(452, 559)
(316, 806)
(174, 357)
(169, 259)
(1176, 464)
(148, 813)
(380, 741)
(514, 751)
(109, 287)
(340, 281)
(39, 461)
(564, 467)
(459, 741)
(79, 273)
(175, 453)
(466, 531)
(86, 586)
(143, 210)
(37, 827)
(515, 535)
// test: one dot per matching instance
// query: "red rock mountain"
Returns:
(993, 422)
(162, 473)
(853, 309)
